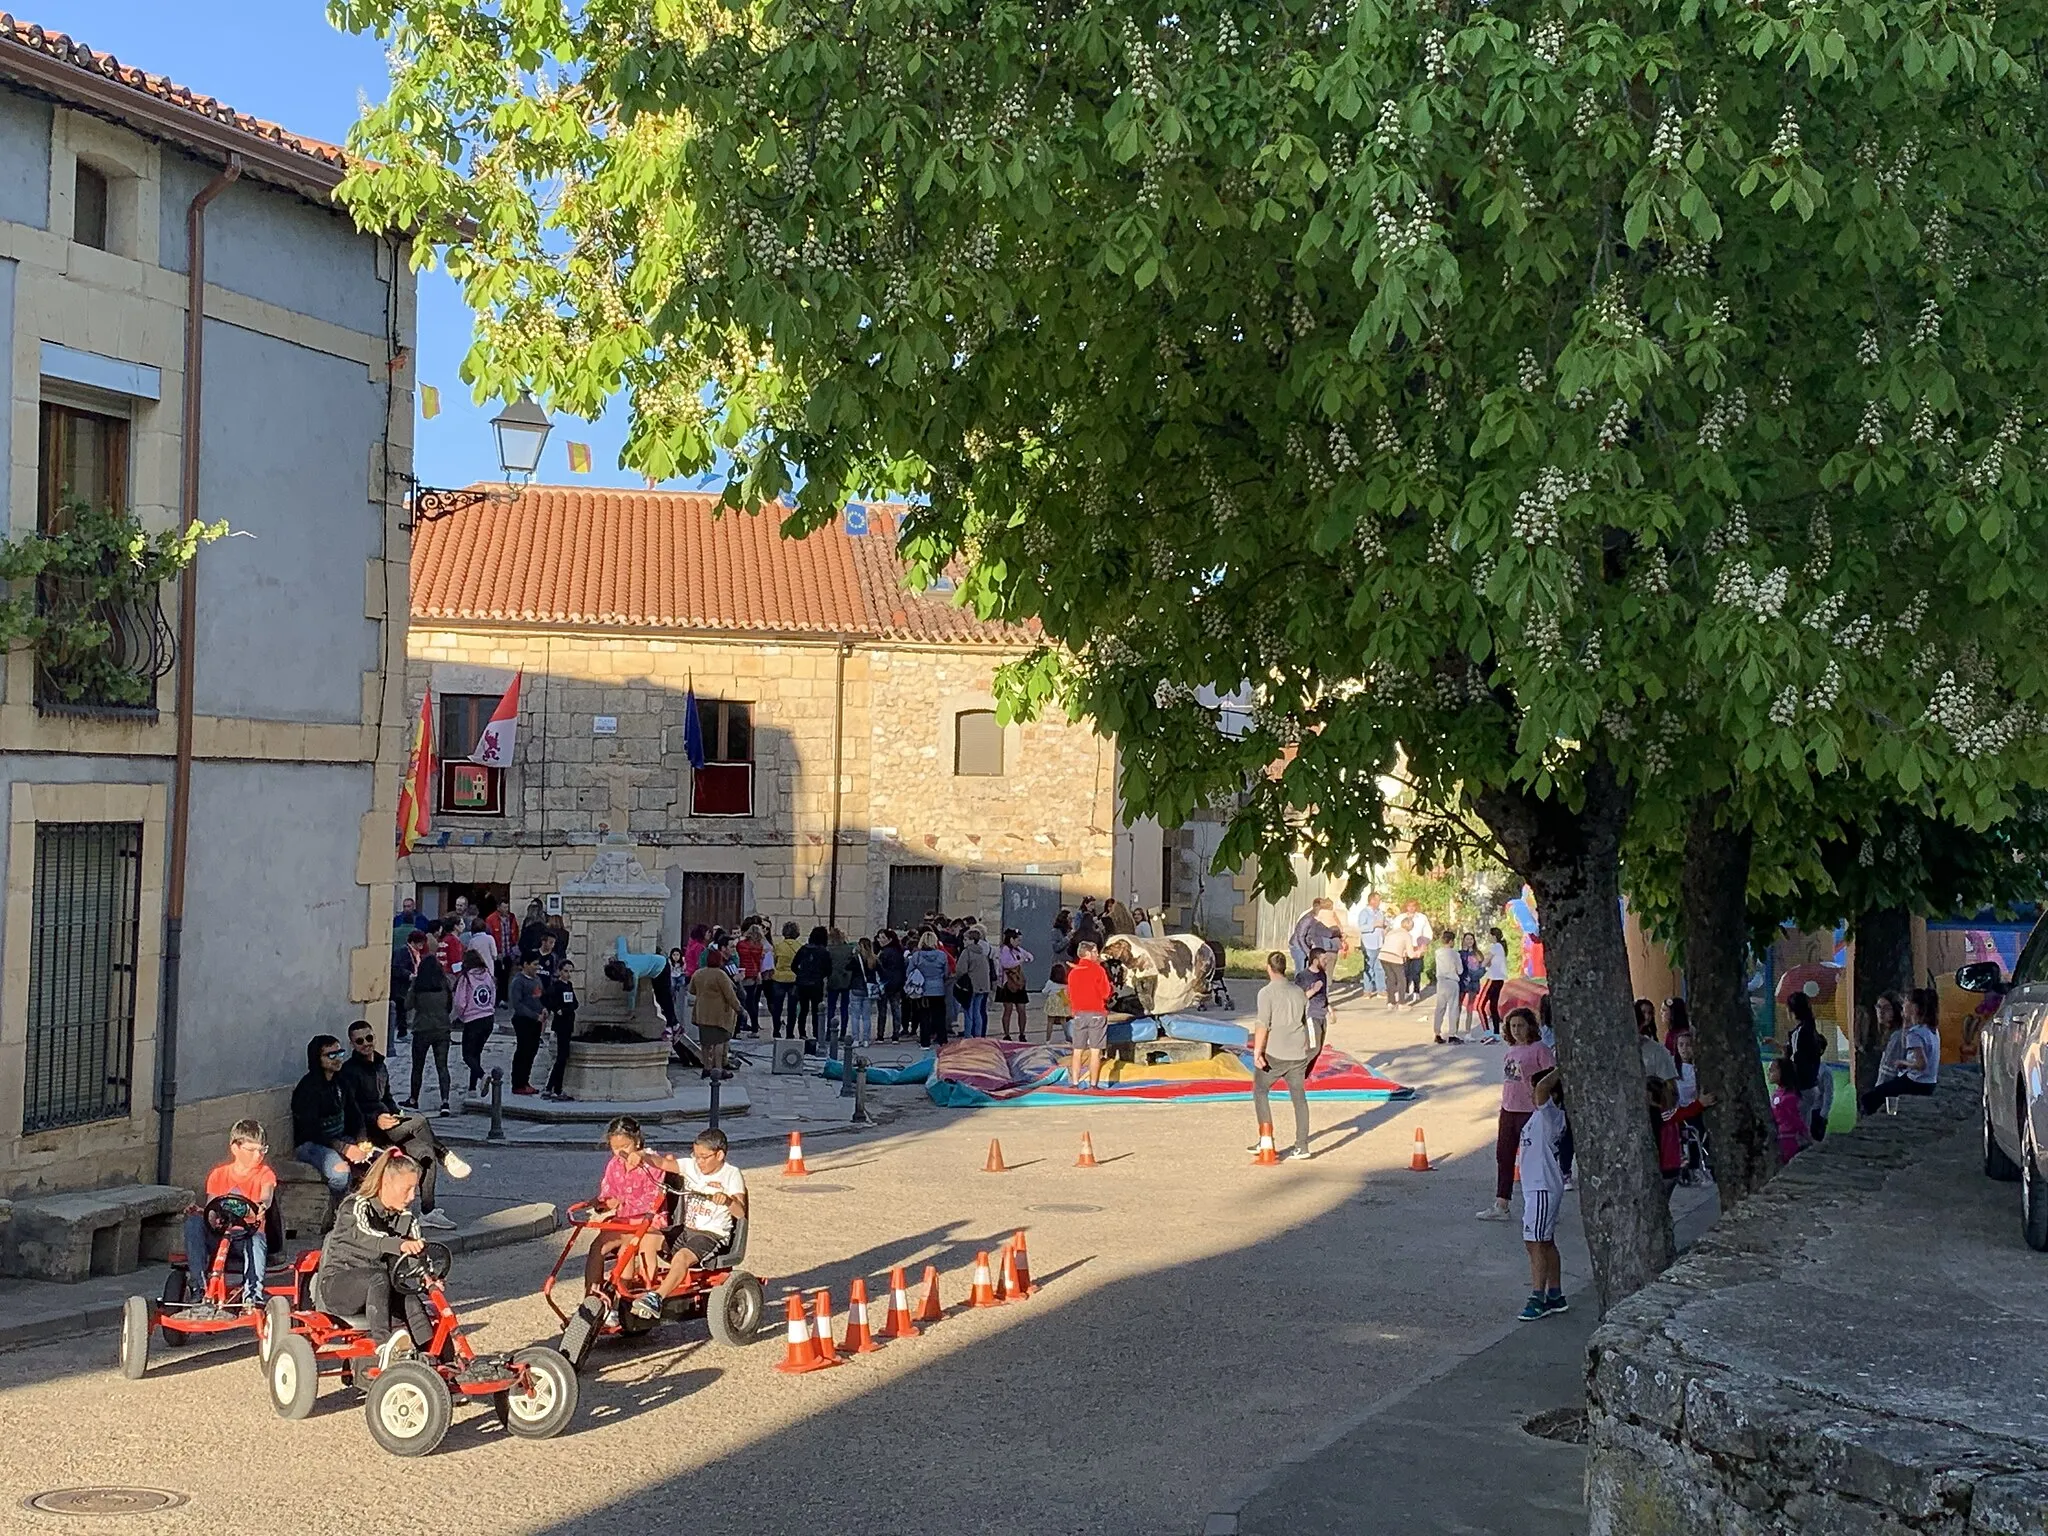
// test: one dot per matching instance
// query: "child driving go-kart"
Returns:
(714, 1197)
(246, 1174)
(373, 1228)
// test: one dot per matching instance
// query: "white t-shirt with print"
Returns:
(704, 1214)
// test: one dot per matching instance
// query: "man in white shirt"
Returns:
(714, 1199)
(1371, 923)
(481, 941)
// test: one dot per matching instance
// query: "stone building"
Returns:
(855, 770)
(285, 779)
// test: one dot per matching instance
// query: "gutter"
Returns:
(188, 628)
(840, 653)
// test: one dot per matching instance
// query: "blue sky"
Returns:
(279, 59)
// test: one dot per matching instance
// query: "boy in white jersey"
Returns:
(1542, 1190)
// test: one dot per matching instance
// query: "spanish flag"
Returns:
(415, 795)
(579, 458)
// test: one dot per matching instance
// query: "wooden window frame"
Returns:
(457, 742)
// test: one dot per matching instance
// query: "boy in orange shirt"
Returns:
(245, 1173)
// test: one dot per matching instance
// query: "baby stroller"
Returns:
(1218, 993)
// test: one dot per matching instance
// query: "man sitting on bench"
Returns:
(714, 1198)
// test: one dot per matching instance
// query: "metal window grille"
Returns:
(713, 900)
(85, 919)
(913, 891)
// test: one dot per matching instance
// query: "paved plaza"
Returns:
(1202, 1323)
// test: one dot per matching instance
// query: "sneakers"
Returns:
(444, 1109)
(1555, 1302)
(647, 1306)
(1535, 1309)
(1300, 1155)
(409, 1104)
(453, 1165)
(1571, 1183)
(397, 1347)
(526, 1091)
(1494, 1213)
(438, 1220)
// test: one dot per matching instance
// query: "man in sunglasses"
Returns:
(366, 1080)
(327, 1128)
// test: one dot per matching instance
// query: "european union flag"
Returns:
(693, 730)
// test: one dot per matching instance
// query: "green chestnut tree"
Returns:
(1535, 396)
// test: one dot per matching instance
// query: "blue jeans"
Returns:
(1375, 977)
(860, 1018)
(253, 1251)
(334, 1168)
(976, 1014)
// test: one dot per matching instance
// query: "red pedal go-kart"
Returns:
(180, 1316)
(411, 1401)
(726, 1296)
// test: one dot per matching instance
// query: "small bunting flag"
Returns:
(579, 458)
(430, 402)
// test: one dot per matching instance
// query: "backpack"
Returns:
(913, 982)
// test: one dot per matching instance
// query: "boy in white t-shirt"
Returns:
(1542, 1192)
(714, 1198)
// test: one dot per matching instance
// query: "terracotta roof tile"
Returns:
(670, 560)
(64, 50)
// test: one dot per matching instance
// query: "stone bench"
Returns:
(302, 1199)
(95, 1232)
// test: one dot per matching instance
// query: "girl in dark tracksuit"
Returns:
(372, 1229)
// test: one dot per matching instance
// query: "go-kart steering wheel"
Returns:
(231, 1214)
(415, 1272)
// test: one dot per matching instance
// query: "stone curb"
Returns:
(500, 1229)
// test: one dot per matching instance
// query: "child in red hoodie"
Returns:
(1088, 992)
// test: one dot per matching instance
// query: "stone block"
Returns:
(303, 1201)
(2014, 1505)
(1637, 1385)
(1922, 1471)
(100, 1232)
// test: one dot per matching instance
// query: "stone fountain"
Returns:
(615, 905)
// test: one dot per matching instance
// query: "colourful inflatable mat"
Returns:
(978, 1072)
(1126, 1031)
(1185, 1026)
(918, 1071)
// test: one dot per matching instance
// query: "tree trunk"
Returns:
(1884, 963)
(1714, 889)
(1572, 861)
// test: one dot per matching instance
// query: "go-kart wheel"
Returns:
(135, 1337)
(545, 1408)
(734, 1309)
(409, 1408)
(176, 1289)
(277, 1322)
(581, 1331)
(294, 1376)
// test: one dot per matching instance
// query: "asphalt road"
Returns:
(1199, 1319)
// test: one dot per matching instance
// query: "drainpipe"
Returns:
(838, 761)
(188, 625)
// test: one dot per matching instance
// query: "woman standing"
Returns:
(715, 1007)
(782, 980)
(1011, 992)
(861, 996)
(811, 965)
(977, 970)
(753, 954)
(1496, 978)
(476, 1009)
(890, 965)
(839, 983)
(933, 969)
(1525, 1056)
(700, 936)
(431, 1001)
(1142, 923)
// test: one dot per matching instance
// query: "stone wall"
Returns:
(900, 802)
(1856, 1349)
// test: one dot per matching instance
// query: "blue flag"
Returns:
(693, 730)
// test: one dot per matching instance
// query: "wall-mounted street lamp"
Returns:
(522, 430)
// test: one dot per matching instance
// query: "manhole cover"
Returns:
(808, 1188)
(1065, 1210)
(104, 1501)
(1565, 1424)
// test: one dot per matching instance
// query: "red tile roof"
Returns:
(52, 62)
(670, 560)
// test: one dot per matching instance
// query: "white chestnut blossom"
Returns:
(1867, 350)
(1614, 426)
(1528, 372)
(1927, 329)
(1871, 433)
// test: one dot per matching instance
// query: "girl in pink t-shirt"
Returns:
(1525, 1056)
(633, 1185)
(1793, 1135)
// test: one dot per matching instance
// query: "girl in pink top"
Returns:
(1793, 1135)
(1525, 1056)
(632, 1186)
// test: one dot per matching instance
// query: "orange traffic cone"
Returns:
(984, 1293)
(929, 1308)
(995, 1158)
(802, 1353)
(1010, 1285)
(859, 1341)
(897, 1325)
(821, 1325)
(795, 1168)
(1022, 1259)
(1269, 1156)
(1087, 1157)
(1418, 1160)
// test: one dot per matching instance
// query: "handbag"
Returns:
(963, 991)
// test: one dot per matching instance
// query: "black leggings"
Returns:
(1489, 1004)
(809, 1016)
(348, 1289)
(1892, 1088)
(414, 1136)
(527, 1034)
(564, 1030)
(419, 1064)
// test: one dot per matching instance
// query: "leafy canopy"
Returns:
(1511, 387)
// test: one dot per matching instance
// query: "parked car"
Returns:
(2012, 1050)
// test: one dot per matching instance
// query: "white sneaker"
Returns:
(1493, 1213)
(453, 1165)
(397, 1347)
(439, 1220)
